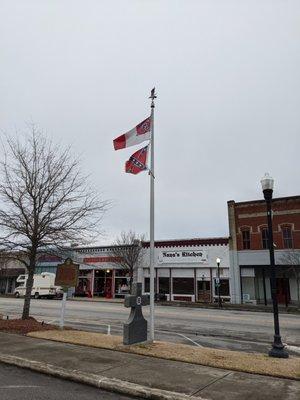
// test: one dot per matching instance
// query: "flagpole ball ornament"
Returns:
(135, 329)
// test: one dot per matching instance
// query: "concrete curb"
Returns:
(101, 382)
(295, 349)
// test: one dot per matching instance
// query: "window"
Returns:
(147, 285)
(164, 285)
(183, 285)
(246, 239)
(264, 238)
(287, 237)
(224, 287)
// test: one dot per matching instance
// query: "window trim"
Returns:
(263, 228)
(291, 238)
(246, 229)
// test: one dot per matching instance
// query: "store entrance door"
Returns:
(283, 290)
(103, 283)
(204, 291)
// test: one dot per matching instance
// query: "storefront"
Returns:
(8, 278)
(99, 274)
(255, 284)
(186, 270)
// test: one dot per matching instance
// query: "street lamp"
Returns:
(277, 350)
(218, 282)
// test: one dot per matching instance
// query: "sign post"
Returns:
(66, 276)
(63, 308)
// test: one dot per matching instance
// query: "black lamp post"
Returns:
(277, 350)
(218, 282)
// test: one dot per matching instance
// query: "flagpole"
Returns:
(152, 291)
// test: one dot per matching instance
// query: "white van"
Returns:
(43, 286)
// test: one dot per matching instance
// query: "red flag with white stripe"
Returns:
(135, 136)
(137, 162)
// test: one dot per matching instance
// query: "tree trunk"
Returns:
(29, 284)
(130, 281)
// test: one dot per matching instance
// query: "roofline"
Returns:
(189, 242)
(169, 242)
(261, 201)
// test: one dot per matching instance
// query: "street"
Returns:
(224, 329)
(17, 383)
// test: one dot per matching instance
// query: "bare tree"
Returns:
(128, 252)
(47, 202)
(291, 258)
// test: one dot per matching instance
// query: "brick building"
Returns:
(249, 255)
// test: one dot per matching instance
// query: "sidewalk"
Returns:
(110, 367)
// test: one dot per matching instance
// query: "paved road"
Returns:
(17, 383)
(237, 330)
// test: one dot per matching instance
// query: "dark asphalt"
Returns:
(222, 329)
(22, 384)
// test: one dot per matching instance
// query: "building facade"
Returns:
(186, 270)
(249, 254)
(9, 271)
(99, 273)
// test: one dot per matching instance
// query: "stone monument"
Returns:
(135, 329)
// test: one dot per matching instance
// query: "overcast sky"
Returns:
(228, 83)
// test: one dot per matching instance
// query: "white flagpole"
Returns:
(152, 177)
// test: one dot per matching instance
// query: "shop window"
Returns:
(203, 286)
(183, 285)
(147, 285)
(224, 287)
(264, 238)
(246, 239)
(122, 272)
(164, 285)
(287, 237)
(122, 286)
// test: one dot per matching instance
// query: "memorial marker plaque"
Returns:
(135, 329)
(67, 274)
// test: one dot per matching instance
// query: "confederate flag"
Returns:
(135, 136)
(137, 162)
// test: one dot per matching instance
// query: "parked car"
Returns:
(43, 286)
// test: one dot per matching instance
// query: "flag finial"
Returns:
(152, 96)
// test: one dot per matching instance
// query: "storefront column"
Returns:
(171, 285)
(264, 286)
(113, 283)
(92, 282)
(195, 285)
(211, 286)
(6, 286)
(241, 280)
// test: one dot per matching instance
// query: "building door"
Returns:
(204, 291)
(283, 290)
